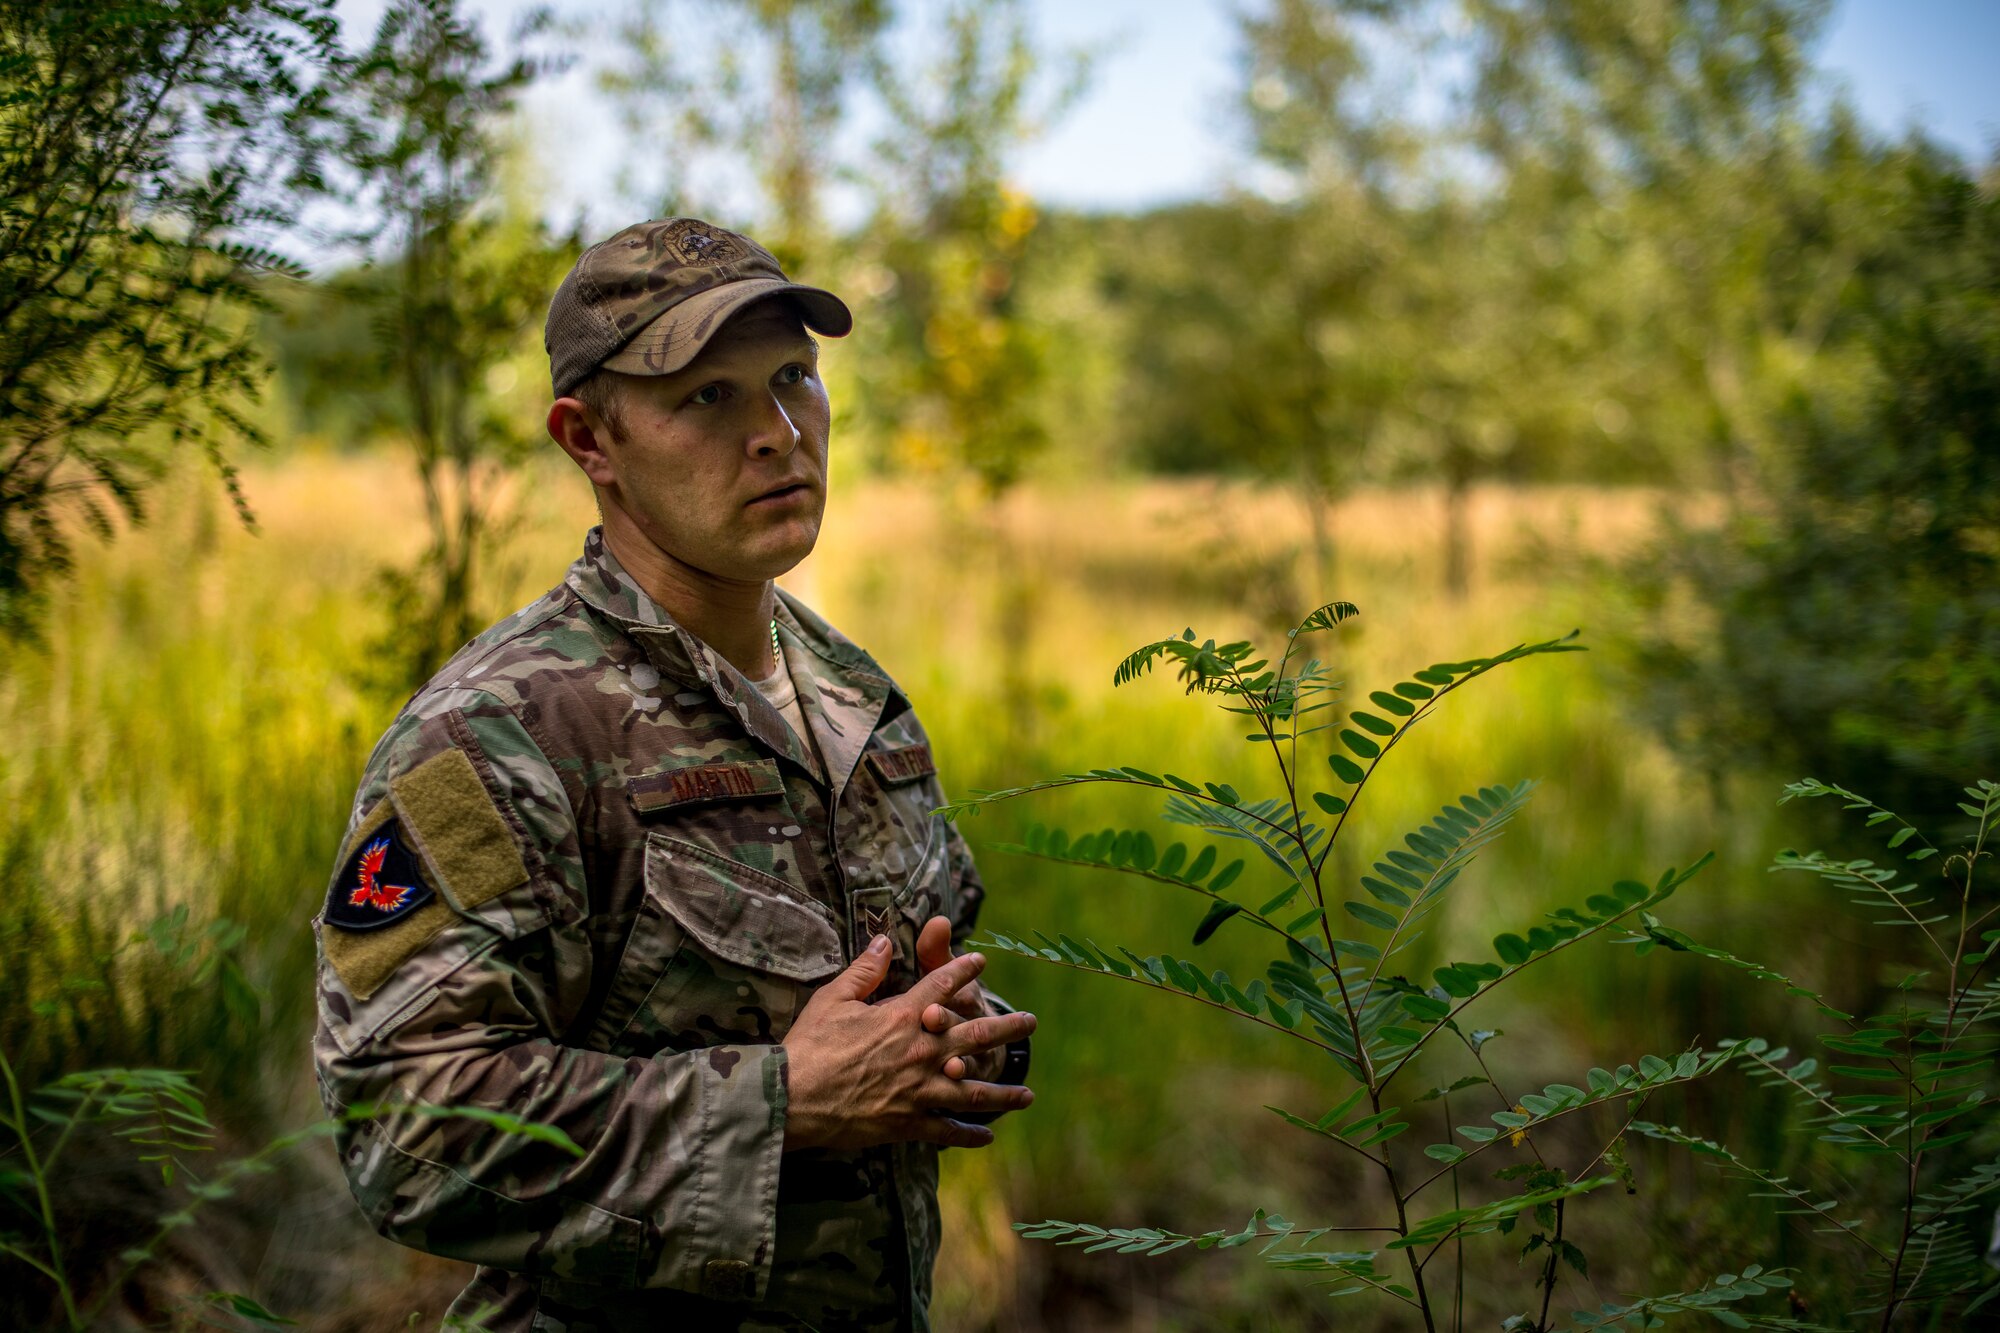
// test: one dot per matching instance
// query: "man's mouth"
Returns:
(796, 488)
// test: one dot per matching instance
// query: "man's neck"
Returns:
(730, 616)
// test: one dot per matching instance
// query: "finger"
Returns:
(864, 974)
(973, 1035)
(985, 1066)
(976, 1095)
(948, 1133)
(934, 944)
(969, 1002)
(939, 986)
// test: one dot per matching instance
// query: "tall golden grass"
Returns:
(190, 729)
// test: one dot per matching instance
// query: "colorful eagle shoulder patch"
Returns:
(380, 883)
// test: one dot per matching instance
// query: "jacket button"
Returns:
(726, 1279)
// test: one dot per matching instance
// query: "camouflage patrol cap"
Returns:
(645, 301)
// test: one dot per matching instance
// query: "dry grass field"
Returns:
(190, 730)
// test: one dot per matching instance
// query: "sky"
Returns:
(1155, 123)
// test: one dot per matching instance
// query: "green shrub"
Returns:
(1920, 1072)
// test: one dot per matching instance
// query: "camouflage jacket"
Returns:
(589, 880)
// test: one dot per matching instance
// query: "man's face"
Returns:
(723, 464)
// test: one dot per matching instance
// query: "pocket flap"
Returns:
(741, 914)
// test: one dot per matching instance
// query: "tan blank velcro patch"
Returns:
(450, 816)
(366, 959)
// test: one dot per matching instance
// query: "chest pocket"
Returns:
(900, 908)
(721, 953)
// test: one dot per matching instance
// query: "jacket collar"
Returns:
(843, 693)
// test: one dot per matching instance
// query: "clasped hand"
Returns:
(863, 1074)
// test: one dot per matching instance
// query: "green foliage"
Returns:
(1725, 1289)
(1349, 1270)
(1843, 617)
(161, 1115)
(1907, 1090)
(954, 367)
(1338, 994)
(1901, 1112)
(158, 1112)
(503, 1121)
(466, 280)
(148, 151)
(110, 989)
(239, 1312)
(772, 97)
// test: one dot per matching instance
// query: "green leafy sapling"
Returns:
(1331, 983)
(1905, 1160)
(161, 1114)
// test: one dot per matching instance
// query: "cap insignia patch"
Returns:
(381, 883)
(693, 242)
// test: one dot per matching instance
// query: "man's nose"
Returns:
(774, 434)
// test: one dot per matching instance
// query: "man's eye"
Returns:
(707, 395)
(793, 374)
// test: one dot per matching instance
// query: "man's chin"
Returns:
(777, 558)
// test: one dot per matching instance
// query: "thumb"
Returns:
(864, 974)
(934, 945)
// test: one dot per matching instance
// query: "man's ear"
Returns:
(582, 435)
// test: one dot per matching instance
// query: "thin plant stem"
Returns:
(1458, 1240)
(38, 1173)
(1549, 1270)
(1506, 1103)
(1403, 1229)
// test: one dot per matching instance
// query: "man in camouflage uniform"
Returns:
(651, 863)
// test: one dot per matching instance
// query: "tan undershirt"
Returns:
(779, 691)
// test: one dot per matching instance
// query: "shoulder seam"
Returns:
(556, 607)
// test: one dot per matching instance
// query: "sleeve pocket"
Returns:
(427, 1204)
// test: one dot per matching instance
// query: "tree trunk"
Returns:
(1015, 621)
(1457, 519)
(1318, 497)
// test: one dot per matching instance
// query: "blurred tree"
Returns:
(1798, 316)
(462, 283)
(1253, 344)
(1583, 235)
(1490, 326)
(948, 370)
(1847, 624)
(951, 369)
(1728, 227)
(147, 152)
(1314, 378)
(770, 105)
(1412, 334)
